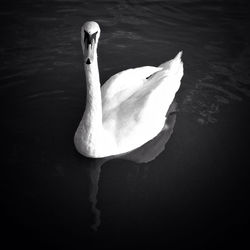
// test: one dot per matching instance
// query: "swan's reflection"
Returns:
(144, 154)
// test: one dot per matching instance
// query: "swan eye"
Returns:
(88, 39)
(93, 37)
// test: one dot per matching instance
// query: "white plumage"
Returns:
(129, 109)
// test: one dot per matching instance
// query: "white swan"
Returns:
(129, 109)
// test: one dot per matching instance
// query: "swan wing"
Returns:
(121, 86)
(141, 115)
(125, 84)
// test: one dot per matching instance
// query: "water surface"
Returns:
(188, 188)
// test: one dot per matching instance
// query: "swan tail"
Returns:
(174, 66)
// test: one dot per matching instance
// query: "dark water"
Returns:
(188, 189)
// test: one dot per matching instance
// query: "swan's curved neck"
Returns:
(91, 124)
(93, 110)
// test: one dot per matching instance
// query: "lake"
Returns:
(185, 189)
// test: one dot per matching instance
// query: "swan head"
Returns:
(90, 34)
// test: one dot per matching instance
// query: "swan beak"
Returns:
(89, 42)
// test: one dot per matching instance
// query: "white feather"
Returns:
(129, 109)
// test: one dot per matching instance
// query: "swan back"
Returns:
(135, 102)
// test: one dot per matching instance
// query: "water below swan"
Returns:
(187, 188)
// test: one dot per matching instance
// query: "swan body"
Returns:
(129, 109)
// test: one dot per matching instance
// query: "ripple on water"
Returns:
(45, 93)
